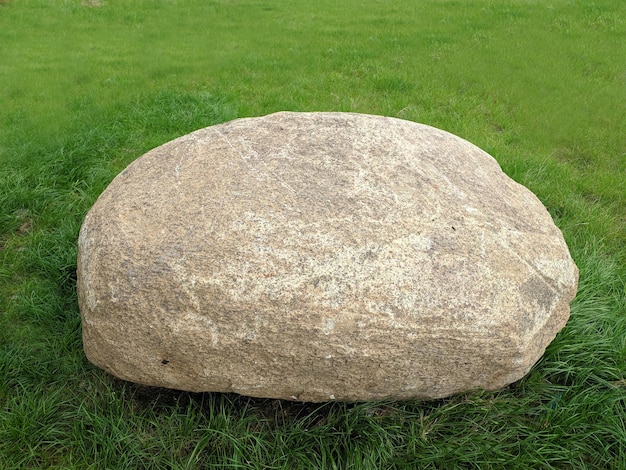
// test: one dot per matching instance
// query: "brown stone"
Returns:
(321, 256)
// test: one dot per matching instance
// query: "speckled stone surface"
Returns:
(321, 256)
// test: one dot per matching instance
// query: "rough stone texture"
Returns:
(321, 256)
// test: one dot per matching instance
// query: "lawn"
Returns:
(88, 86)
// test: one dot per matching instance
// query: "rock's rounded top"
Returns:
(305, 236)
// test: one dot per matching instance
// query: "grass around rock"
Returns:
(86, 87)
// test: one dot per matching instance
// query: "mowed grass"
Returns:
(88, 86)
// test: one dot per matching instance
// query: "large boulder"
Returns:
(321, 256)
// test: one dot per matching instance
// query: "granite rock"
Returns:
(321, 256)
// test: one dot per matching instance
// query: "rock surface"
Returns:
(321, 256)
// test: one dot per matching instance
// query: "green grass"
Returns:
(84, 90)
